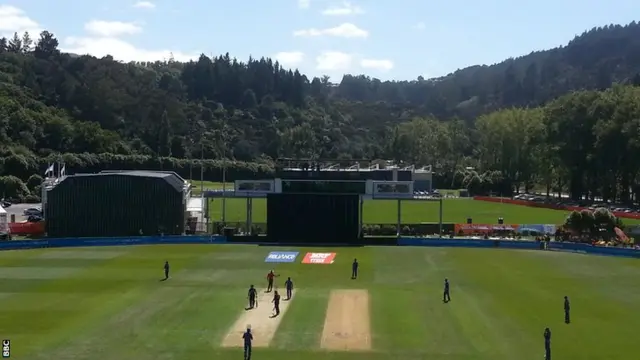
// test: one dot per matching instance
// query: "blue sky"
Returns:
(399, 39)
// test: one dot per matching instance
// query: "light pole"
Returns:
(191, 160)
(224, 178)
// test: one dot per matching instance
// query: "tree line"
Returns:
(550, 120)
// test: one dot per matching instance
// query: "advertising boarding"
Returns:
(281, 257)
(319, 258)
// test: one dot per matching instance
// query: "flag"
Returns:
(64, 167)
(49, 170)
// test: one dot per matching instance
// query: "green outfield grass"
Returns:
(385, 212)
(108, 303)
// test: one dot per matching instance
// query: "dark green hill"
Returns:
(105, 114)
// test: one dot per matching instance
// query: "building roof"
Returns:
(171, 178)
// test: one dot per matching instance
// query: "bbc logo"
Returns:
(6, 349)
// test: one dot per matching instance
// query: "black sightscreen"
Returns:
(313, 218)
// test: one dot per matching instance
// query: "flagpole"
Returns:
(201, 169)
(203, 199)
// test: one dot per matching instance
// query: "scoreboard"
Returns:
(324, 186)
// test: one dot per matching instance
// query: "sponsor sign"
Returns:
(6, 349)
(319, 258)
(281, 257)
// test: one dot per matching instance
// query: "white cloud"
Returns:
(304, 4)
(333, 60)
(13, 19)
(144, 5)
(111, 28)
(377, 64)
(100, 40)
(346, 30)
(289, 58)
(345, 9)
(420, 26)
(120, 50)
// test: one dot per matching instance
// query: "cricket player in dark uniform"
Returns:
(547, 344)
(445, 296)
(289, 286)
(567, 310)
(276, 303)
(270, 277)
(253, 297)
(354, 269)
(166, 270)
(248, 338)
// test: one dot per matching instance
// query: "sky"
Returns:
(385, 39)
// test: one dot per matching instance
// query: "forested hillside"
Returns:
(543, 119)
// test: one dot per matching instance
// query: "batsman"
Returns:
(253, 297)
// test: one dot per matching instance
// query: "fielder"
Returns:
(354, 269)
(547, 344)
(248, 338)
(445, 296)
(289, 286)
(166, 270)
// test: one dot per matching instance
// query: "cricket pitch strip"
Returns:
(347, 324)
(263, 326)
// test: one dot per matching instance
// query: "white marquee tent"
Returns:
(4, 221)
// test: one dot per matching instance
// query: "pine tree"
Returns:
(15, 44)
(27, 42)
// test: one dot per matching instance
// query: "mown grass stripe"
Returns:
(302, 327)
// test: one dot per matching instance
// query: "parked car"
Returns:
(33, 211)
(5, 203)
(34, 218)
